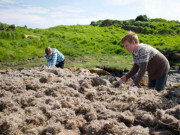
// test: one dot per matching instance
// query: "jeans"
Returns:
(158, 84)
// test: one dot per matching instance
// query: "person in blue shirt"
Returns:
(54, 58)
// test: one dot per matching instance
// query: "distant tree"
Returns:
(93, 23)
(142, 18)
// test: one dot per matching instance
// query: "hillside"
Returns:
(94, 45)
(77, 101)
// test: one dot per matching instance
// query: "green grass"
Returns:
(110, 61)
(83, 45)
(22, 64)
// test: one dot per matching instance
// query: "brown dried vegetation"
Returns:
(57, 101)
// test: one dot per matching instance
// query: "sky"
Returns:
(49, 13)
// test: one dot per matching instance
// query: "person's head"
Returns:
(48, 51)
(130, 41)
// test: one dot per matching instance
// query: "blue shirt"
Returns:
(55, 58)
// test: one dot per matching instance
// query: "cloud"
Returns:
(42, 17)
(167, 9)
(24, 16)
(71, 21)
(66, 11)
(39, 17)
(31, 9)
(120, 2)
(7, 1)
(69, 9)
(59, 14)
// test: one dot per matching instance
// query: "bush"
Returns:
(8, 34)
(158, 20)
(143, 24)
(106, 23)
(148, 30)
(166, 31)
(93, 23)
(98, 23)
(178, 31)
(120, 51)
(142, 18)
(117, 23)
(125, 22)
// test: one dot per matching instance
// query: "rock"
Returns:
(12, 27)
(31, 36)
(73, 68)
(2, 71)
(2, 27)
(133, 28)
(176, 56)
(172, 71)
(161, 133)
(99, 71)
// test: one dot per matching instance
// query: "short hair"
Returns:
(48, 50)
(130, 36)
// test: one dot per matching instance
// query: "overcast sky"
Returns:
(49, 13)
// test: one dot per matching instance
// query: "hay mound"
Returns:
(57, 101)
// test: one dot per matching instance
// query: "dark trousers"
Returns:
(60, 64)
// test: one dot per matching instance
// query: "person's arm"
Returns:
(132, 72)
(48, 61)
(142, 70)
(54, 59)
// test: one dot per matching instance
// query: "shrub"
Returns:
(166, 31)
(8, 34)
(106, 23)
(120, 51)
(93, 23)
(158, 20)
(178, 31)
(117, 23)
(142, 18)
(148, 30)
(125, 22)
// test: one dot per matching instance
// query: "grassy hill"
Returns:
(85, 45)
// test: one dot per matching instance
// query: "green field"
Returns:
(85, 45)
